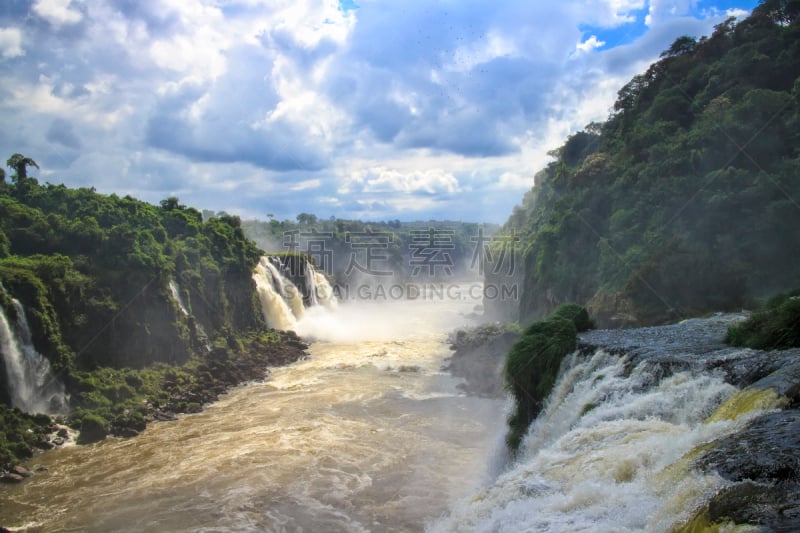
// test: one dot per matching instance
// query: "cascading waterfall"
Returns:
(176, 295)
(31, 384)
(175, 290)
(282, 301)
(277, 312)
(324, 292)
(311, 285)
(610, 452)
(285, 288)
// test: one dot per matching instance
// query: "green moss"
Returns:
(577, 314)
(93, 428)
(531, 370)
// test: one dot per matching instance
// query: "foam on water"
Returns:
(606, 454)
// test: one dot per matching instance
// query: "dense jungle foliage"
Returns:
(687, 199)
(93, 274)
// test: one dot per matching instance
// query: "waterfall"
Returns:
(311, 284)
(31, 384)
(611, 451)
(277, 312)
(176, 295)
(175, 290)
(323, 292)
(286, 289)
(281, 300)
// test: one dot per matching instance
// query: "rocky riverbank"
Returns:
(182, 390)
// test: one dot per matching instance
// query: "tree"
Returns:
(20, 164)
(168, 204)
(306, 219)
(682, 45)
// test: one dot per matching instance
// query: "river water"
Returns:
(366, 434)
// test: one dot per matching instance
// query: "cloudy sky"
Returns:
(409, 109)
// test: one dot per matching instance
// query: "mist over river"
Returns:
(368, 433)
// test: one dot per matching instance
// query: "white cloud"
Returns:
(57, 12)
(254, 106)
(665, 9)
(610, 13)
(11, 43)
(306, 184)
(514, 181)
(380, 179)
(470, 55)
(589, 44)
(738, 13)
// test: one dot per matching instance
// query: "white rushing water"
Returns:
(611, 452)
(282, 302)
(31, 384)
(176, 296)
(367, 434)
(271, 290)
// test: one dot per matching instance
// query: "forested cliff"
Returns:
(94, 272)
(142, 311)
(687, 199)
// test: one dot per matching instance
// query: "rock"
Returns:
(478, 357)
(11, 478)
(21, 471)
(766, 451)
(164, 416)
(41, 469)
(63, 433)
(124, 432)
(93, 429)
(44, 445)
(58, 441)
(763, 462)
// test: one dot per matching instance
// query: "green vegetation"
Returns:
(775, 326)
(576, 314)
(92, 273)
(21, 434)
(685, 200)
(533, 362)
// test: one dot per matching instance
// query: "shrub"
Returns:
(532, 367)
(577, 314)
(773, 327)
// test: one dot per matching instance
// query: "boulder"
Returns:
(21, 471)
(11, 478)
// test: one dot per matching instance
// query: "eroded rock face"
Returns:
(763, 461)
(478, 357)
